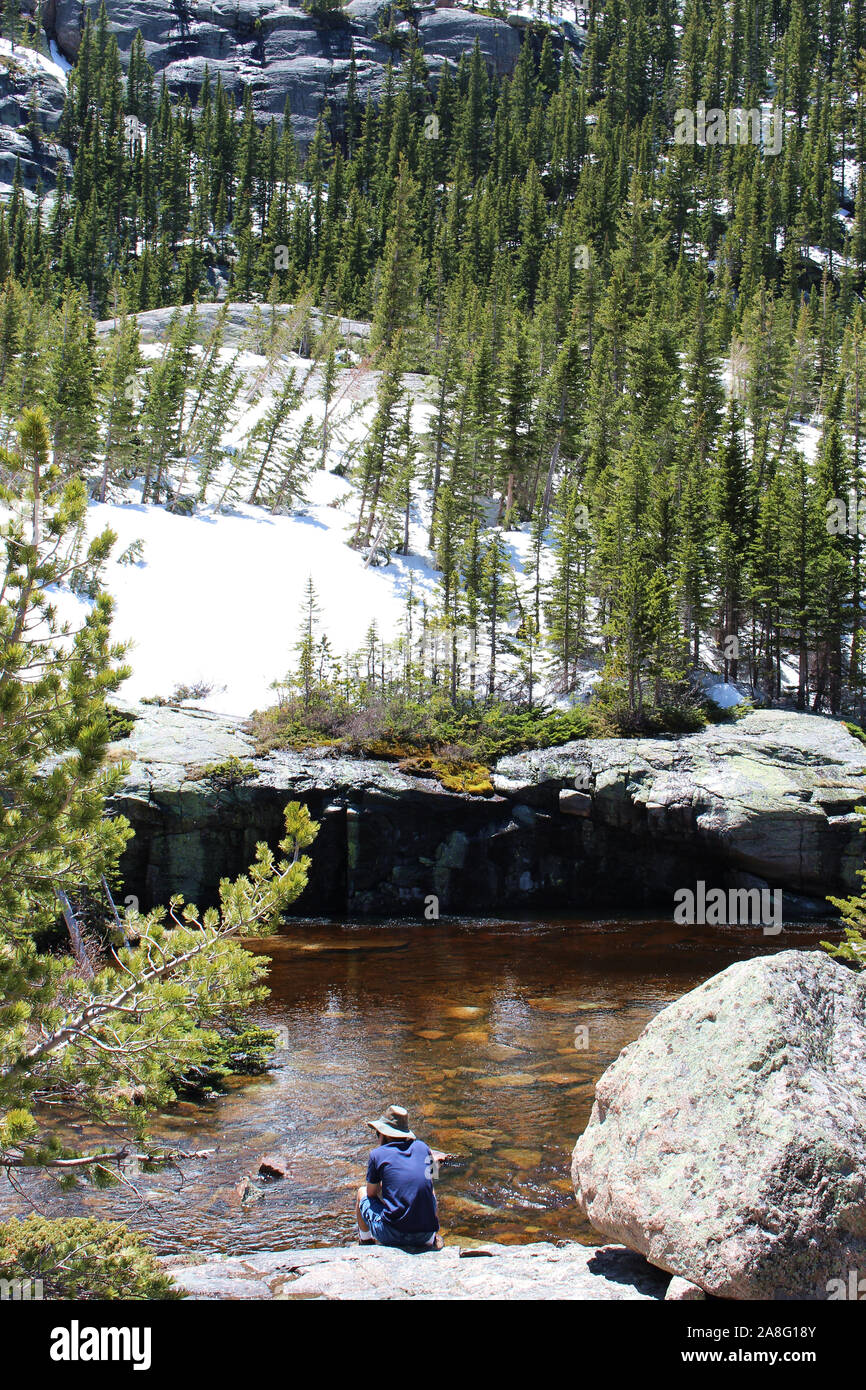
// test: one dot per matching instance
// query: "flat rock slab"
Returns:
(540, 1271)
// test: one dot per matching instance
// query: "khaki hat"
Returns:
(394, 1124)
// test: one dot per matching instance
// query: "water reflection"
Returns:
(492, 1034)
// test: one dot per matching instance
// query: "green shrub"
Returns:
(612, 718)
(853, 949)
(231, 772)
(81, 1258)
(399, 728)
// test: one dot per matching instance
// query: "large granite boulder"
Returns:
(154, 326)
(774, 794)
(728, 1143)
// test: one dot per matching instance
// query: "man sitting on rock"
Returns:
(398, 1205)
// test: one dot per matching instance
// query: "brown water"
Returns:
(492, 1034)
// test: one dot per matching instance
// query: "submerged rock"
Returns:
(274, 1166)
(728, 1143)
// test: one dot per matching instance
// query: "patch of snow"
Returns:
(726, 696)
(218, 598)
(32, 61)
(57, 57)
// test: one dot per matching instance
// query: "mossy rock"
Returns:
(454, 776)
(231, 772)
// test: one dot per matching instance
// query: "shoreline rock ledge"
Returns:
(727, 1144)
(541, 1271)
(597, 824)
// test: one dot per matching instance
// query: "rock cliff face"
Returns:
(601, 824)
(280, 51)
(28, 90)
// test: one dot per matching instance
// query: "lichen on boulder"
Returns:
(728, 1143)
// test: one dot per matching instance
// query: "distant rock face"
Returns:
(728, 1143)
(279, 51)
(768, 800)
(27, 90)
(64, 20)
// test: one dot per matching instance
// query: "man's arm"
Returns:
(374, 1188)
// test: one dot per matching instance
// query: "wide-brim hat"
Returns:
(394, 1124)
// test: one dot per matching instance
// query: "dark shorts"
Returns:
(374, 1216)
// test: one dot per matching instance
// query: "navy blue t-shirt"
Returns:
(404, 1167)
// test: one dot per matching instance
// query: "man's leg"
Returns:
(362, 1225)
(364, 1234)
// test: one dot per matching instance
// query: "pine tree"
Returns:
(566, 603)
(496, 598)
(119, 392)
(396, 309)
(732, 521)
(74, 1029)
(73, 387)
(273, 441)
(379, 461)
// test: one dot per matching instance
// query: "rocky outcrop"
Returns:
(244, 324)
(279, 51)
(490, 1272)
(728, 1143)
(772, 795)
(767, 800)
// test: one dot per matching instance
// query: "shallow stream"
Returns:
(492, 1034)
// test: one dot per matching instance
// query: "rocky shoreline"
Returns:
(600, 824)
(543, 1271)
(724, 1155)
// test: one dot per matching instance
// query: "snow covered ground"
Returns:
(56, 66)
(217, 597)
